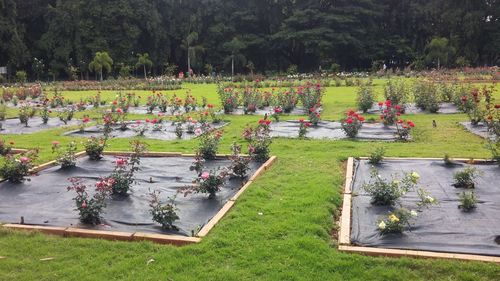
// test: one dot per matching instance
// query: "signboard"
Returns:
(3, 70)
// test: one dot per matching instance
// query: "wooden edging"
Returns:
(212, 222)
(140, 236)
(344, 239)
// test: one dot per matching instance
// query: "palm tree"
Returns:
(101, 61)
(234, 47)
(144, 61)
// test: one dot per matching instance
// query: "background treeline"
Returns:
(59, 38)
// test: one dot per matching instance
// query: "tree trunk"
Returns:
(439, 66)
(232, 66)
(145, 72)
(101, 74)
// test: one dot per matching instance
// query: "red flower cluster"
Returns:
(265, 122)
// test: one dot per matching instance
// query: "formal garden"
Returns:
(249, 140)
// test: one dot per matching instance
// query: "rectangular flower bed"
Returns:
(439, 231)
(35, 124)
(479, 130)
(166, 131)
(44, 204)
(270, 110)
(333, 130)
(444, 108)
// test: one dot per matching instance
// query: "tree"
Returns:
(439, 50)
(143, 61)
(234, 47)
(102, 61)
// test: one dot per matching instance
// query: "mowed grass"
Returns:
(280, 229)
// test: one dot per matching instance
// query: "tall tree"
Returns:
(143, 61)
(102, 61)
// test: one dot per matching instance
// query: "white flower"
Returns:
(429, 199)
(381, 225)
(413, 213)
(379, 176)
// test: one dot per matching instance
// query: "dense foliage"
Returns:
(62, 37)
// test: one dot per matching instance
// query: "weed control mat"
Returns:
(479, 130)
(167, 131)
(35, 124)
(444, 108)
(333, 130)
(441, 228)
(45, 200)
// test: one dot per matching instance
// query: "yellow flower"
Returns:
(393, 218)
(415, 177)
(381, 225)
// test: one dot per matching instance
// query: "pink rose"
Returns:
(205, 175)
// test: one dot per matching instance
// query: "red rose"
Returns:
(268, 122)
(380, 104)
(361, 118)
(349, 121)
(411, 124)
(400, 121)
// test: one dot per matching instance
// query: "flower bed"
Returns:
(299, 110)
(164, 131)
(333, 130)
(444, 108)
(479, 130)
(36, 124)
(45, 201)
(445, 227)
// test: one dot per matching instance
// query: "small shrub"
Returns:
(164, 214)
(94, 147)
(376, 156)
(448, 161)
(3, 110)
(427, 96)
(403, 129)
(209, 182)
(287, 100)
(16, 167)
(466, 178)
(387, 193)
(389, 112)
(276, 113)
(239, 164)
(365, 98)
(259, 141)
(123, 175)
(65, 157)
(45, 114)
(468, 201)
(229, 98)
(310, 95)
(179, 131)
(5, 147)
(90, 208)
(396, 90)
(397, 221)
(209, 143)
(66, 114)
(303, 128)
(25, 113)
(352, 123)
(197, 164)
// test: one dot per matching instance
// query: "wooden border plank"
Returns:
(102, 234)
(371, 251)
(54, 230)
(345, 221)
(176, 240)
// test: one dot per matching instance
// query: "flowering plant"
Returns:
(239, 164)
(389, 113)
(66, 114)
(310, 95)
(314, 116)
(303, 128)
(387, 193)
(287, 100)
(5, 147)
(16, 167)
(251, 100)
(44, 114)
(397, 92)
(65, 157)
(216, 118)
(94, 147)
(125, 168)
(403, 128)
(178, 130)
(377, 155)
(25, 113)
(259, 140)
(209, 143)
(397, 221)
(352, 123)
(140, 128)
(427, 96)
(198, 164)
(468, 201)
(164, 214)
(208, 182)
(229, 98)
(90, 208)
(275, 114)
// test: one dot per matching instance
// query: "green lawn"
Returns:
(292, 239)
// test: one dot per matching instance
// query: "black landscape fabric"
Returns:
(35, 124)
(443, 227)
(269, 110)
(444, 108)
(333, 130)
(479, 130)
(45, 200)
(167, 131)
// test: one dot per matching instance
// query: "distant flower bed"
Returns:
(158, 83)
